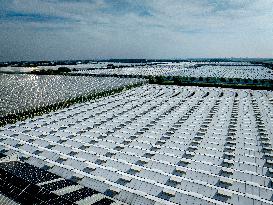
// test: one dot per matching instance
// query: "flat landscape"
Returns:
(145, 102)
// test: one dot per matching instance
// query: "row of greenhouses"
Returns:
(153, 70)
(243, 72)
(97, 65)
(186, 69)
(157, 144)
(23, 94)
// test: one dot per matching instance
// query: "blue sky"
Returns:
(80, 29)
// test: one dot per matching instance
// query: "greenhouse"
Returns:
(155, 144)
(28, 95)
(186, 69)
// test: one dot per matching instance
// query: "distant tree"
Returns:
(176, 80)
(152, 79)
(33, 71)
(223, 80)
(255, 81)
(206, 79)
(160, 79)
(110, 66)
(64, 69)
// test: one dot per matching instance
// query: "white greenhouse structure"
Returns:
(155, 144)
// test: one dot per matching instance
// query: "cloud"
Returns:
(59, 29)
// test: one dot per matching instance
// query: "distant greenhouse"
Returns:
(187, 69)
(30, 93)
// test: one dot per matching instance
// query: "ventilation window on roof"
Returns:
(132, 137)
(100, 161)
(37, 152)
(148, 155)
(73, 153)
(228, 155)
(188, 154)
(226, 172)
(154, 148)
(31, 140)
(88, 169)
(192, 148)
(230, 143)
(46, 167)
(198, 137)
(124, 180)
(141, 162)
(227, 163)
(110, 154)
(118, 148)
(126, 142)
(173, 181)
(50, 146)
(101, 137)
(229, 149)
(61, 159)
(70, 136)
(84, 147)
(165, 138)
(225, 182)
(179, 171)
(76, 178)
(166, 194)
(88, 128)
(223, 195)
(111, 192)
(42, 135)
(62, 141)
(195, 142)
(62, 128)
(93, 142)
(18, 145)
(184, 162)
(160, 142)
(23, 158)
(270, 172)
(133, 170)
(267, 149)
(81, 132)
(269, 162)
